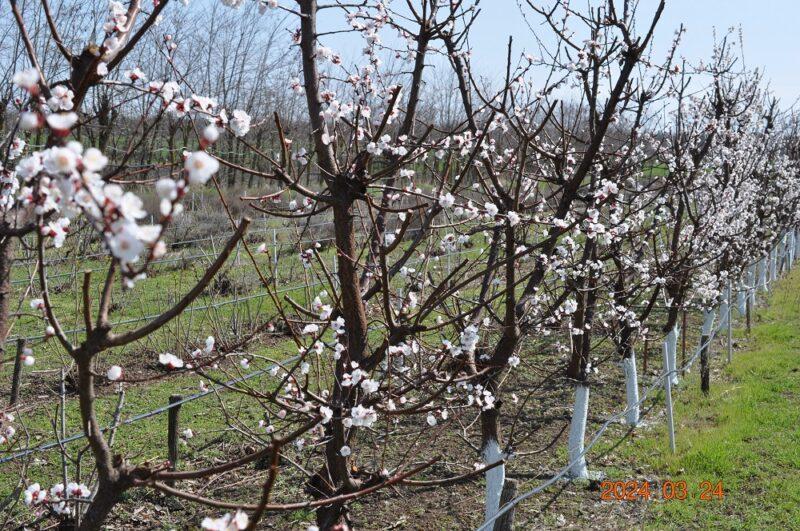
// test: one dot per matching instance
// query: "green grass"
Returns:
(745, 434)
(145, 440)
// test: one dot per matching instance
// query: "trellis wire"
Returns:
(191, 309)
(505, 508)
(230, 383)
(657, 382)
(157, 411)
(142, 416)
(183, 243)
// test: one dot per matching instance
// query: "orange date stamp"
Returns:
(666, 490)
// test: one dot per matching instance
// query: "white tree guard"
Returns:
(741, 299)
(708, 322)
(495, 478)
(723, 307)
(577, 432)
(796, 243)
(773, 265)
(672, 354)
(631, 390)
(762, 274)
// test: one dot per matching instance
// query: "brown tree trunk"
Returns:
(106, 497)
(705, 373)
(6, 259)
(345, 187)
(581, 343)
(110, 488)
(353, 311)
(748, 307)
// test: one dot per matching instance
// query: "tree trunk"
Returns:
(491, 440)
(6, 259)
(109, 488)
(631, 389)
(705, 376)
(506, 521)
(106, 497)
(491, 452)
(345, 187)
(705, 340)
(354, 313)
(672, 358)
(748, 305)
(577, 432)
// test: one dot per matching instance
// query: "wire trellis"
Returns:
(657, 383)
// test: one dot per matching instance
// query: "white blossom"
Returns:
(447, 200)
(240, 123)
(27, 79)
(226, 522)
(169, 360)
(114, 373)
(200, 167)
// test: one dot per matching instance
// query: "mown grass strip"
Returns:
(745, 434)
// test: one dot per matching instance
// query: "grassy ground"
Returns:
(208, 417)
(745, 434)
(725, 437)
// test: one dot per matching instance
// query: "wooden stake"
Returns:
(705, 371)
(747, 314)
(506, 521)
(730, 326)
(683, 345)
(172, 431)
(17, 376)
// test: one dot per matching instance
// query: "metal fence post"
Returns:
(668, 393)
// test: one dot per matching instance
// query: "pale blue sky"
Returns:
(770, 27)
